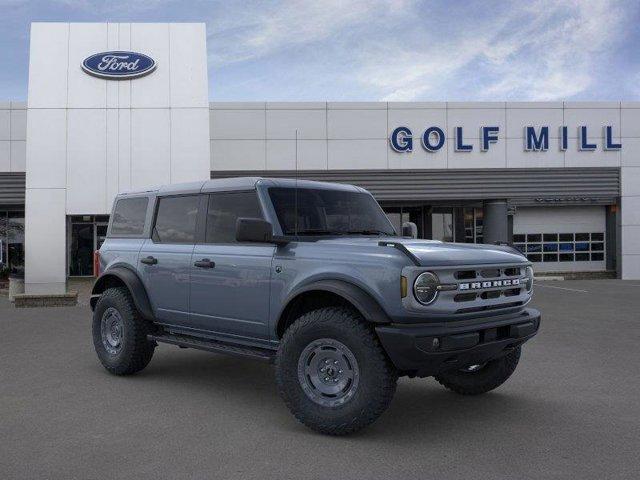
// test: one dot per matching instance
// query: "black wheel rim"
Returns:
(112, 330)
(328, 372)
(473, 368)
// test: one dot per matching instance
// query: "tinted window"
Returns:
(176, 219)
(129, 215)
(328, 212)
(224, 210)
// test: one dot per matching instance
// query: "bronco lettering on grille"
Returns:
(489, 284)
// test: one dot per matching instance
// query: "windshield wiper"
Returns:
(318, 231)
(368, 232)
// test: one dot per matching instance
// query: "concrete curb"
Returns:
(24, 300)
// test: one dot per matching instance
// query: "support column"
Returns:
(495, 222)
(629, 266)
(45, 241)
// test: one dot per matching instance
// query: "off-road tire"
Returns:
(377, 376)
(136, 351)
(493, 374)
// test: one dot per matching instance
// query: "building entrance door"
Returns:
(101, 234)
(86, 235)
(81, 250)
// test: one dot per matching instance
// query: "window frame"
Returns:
(205, 219)
(112, 217)
(156, 208)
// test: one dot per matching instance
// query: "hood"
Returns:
(434, 253)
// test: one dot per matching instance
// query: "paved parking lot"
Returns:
(571, 410)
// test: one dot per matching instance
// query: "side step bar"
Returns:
(185, 341)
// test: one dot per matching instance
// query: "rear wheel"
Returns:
(481, 378)
(332, 372)
(120, 333)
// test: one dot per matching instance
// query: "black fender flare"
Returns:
(132, 282)
(368, 307)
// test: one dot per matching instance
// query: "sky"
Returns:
(377, 50)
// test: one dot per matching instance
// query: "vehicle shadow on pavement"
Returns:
(421, 407)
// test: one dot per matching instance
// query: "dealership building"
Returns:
(114, 107)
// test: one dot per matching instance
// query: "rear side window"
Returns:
(176, 219)
(129, 215)
(224, 209)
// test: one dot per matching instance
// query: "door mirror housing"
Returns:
(409, 229)
(254, 230)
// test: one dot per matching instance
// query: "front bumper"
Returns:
(425, 350)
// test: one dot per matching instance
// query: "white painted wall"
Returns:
(89, 138)
(630, 214)
(355, 135)
(13, 136)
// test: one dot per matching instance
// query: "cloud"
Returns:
(409, 50)
(386, 49)
(260, 29)
(542, 51)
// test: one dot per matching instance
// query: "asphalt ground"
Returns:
(571, 410)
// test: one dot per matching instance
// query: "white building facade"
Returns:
(560, 180)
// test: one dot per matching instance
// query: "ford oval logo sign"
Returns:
(118, 65)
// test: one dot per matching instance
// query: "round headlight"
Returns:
(425, 288)
(529, 278)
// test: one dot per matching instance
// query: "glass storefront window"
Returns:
(543, 247)
(442, 224)
(15, 241)
(12, 242)
(399, 215)
(449, 224)
(473, 224)
(4, 268)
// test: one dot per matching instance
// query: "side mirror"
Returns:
(253, 230)
(409, 229)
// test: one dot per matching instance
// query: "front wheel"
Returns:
(477, 379)
(332, 372)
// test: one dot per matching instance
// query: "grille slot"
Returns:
(465, 274)
(490, 294)
(512, 272)
(465, 297)
(489, 307)
(490, 273)
(512, 292)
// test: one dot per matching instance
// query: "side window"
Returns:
(176, 219)
(224, 210)
(128, 216)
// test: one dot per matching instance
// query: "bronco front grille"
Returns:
(495, 284)
(473, 288)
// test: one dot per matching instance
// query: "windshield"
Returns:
(328, 212)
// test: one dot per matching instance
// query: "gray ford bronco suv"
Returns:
(312, 277)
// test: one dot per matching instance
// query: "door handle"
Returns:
(149, 260)
(205, 263)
